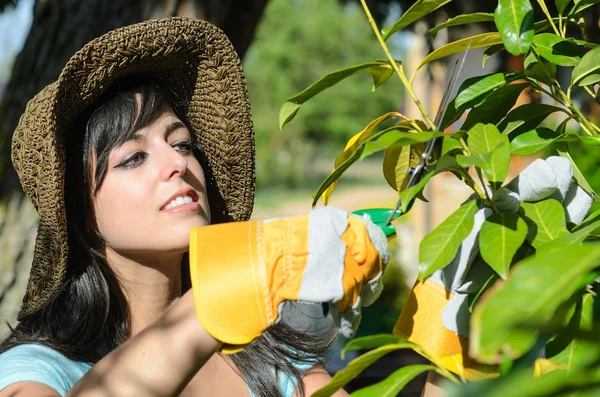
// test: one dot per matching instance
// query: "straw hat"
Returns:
(197, 61)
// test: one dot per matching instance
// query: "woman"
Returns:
(146, 136)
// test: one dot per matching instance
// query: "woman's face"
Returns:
(153, 192)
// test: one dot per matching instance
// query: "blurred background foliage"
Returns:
(296, 43)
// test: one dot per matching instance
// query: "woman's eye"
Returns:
(184, 147)
(133, 160)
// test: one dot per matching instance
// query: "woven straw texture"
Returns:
(197, 60)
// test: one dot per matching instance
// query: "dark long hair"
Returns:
(89, 316)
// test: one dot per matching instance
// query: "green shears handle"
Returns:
(379, 216)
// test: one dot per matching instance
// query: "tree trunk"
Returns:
(59, 29)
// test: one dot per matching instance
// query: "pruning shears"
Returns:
(383, 217)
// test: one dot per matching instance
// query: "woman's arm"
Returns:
(432, 388)
(159, 361)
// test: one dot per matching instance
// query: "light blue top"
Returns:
(41, 364)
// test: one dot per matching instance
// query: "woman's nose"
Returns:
(174, 163)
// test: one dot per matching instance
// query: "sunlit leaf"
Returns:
(556, 49)
(450, 144)
(546, 221)
(525, 118)
(463, 20)
(495, 106)
(439, 247)
(542, 283)
(481, 40)
(500, 237)
(356, 366)
(290, 108)
(485, 138)
(589, 65)
(393, 383)
(479, 87)
(417, 11)
(532, 141)
(514, 20)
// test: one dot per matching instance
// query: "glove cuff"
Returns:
(229, 282)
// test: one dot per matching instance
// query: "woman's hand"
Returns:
(242, 272)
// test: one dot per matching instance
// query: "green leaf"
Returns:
(463, 19)
(380, 74)
(371, 341)
(589, 65)
(575, 238)
(477, 87)
(292, 105)
(541, 283)
(561, 5)
(394, 137)
(495, 106)
(417, 11)
(575, 352)
(394, 383)
(491, 50)
(500, 237)
(538, 70)
(557, 50)
(475, 160)
(407, 195)
(350, 155)
(439, 247)
(485, 138)
(447, 163)
(397, 161)
(590, 79)
(525, 118)
(563, 150)
(532, 141)
(450, 144)
(589, 220)
(356, 366)
(582, 5)
(481, 40)
(514, 20)
(546, 220)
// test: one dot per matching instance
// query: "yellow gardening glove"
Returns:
(243, 272)
(436, 315)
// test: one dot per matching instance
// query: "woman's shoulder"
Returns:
(37, 363)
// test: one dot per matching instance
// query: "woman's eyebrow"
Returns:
(174, 126)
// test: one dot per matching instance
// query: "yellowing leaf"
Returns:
(352, 145)
(396, 162)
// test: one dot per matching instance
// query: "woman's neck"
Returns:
(150, 285)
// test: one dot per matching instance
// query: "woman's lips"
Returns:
(188, 207)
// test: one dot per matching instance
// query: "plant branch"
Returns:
(397, 68)
(547, 13)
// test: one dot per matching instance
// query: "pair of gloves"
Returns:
(242, 273)
(436, 315)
